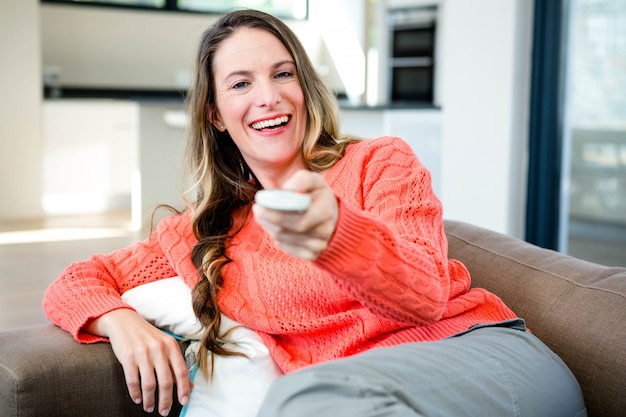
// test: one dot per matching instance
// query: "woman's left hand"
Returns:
(303, 234)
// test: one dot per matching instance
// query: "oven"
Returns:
(412, 54)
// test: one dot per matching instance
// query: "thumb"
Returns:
(304, 181)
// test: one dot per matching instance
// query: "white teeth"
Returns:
(269, 123)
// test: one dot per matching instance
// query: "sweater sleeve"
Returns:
(88, 289)
(389, 248)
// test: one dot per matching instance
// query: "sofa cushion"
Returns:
(576, 307)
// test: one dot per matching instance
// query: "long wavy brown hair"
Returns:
(223, 185)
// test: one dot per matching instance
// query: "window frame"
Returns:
(169, 6)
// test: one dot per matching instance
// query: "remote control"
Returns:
(283, 200)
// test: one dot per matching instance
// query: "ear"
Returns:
(215, 119)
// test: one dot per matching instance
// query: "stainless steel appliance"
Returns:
(412, 50)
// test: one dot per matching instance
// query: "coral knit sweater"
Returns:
(384, 279)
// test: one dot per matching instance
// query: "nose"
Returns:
(268, 94)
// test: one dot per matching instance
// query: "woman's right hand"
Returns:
(150, 358)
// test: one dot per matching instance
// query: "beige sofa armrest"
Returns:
(44, 372)
(577, 308)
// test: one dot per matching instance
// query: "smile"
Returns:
(265, 124)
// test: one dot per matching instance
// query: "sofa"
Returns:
(578, 308)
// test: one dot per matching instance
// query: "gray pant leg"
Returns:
(487, 372)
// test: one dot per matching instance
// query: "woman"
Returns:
(354, 297)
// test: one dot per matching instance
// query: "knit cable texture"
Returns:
(383, 280)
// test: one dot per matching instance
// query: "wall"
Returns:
(89, 153)
(484, 90)
(157, 178)
(483, 53)
(103, 47)
(420, 128)
(340, 30)
(486, 83)
(20, 102)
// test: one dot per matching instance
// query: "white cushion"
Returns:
(239, 384)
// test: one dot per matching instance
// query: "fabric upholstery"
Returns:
(577, 308)
(44, 372)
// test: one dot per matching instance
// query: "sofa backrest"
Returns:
(576, 307)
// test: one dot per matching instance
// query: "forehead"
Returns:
(250, 44)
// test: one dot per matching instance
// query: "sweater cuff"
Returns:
(85, 314)
(350, 237)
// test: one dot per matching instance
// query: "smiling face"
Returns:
(260, 103)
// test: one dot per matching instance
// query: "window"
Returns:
(156, 4)
(283, 8)
(577, 162)
(286, 9)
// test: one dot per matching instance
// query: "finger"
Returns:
(181, 376)
(301, 246)
(270, 220)
(170, 369)
(270, 227)
(312, 244)
(131, 375)
(315, 237)
(299, 251)
(165, 386)
(294, 229)
(304, 181)
(274, 220)
(148, 387)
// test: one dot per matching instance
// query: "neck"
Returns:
(275, 178)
